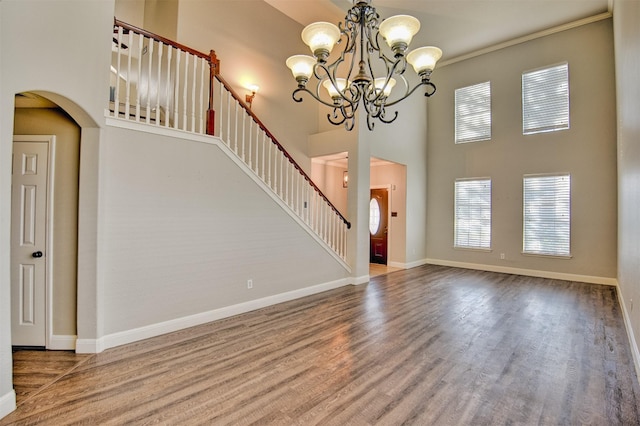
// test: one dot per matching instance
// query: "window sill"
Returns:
(480, 249)
(552, 256)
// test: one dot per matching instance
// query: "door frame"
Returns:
(48, 265)
(389, 227)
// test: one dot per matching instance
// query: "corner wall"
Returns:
(626, 16)
(65, 57)
(587, 151)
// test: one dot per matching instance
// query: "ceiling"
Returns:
(458, 27)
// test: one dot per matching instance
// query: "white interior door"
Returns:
(28, 243)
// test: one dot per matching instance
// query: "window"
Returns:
(473, 213)
(473, 113)
(545, 99)
(547, 215)
(374, 216)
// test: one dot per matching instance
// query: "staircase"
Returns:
(159, 82)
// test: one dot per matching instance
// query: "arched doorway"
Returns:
(44, 283)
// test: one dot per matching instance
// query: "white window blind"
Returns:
(473, 113)
(472, 213)
(545, 99)
(547, 215)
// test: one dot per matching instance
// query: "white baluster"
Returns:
(201, 114)
(150, 61)
(116, 98)
(250, 163)
(193, 93)
(235, 122)
(127, 105)
(244, 117)
(185, 88)
(269, 171)
(286, 180)
(176, 97)
(228, 111)
(139, 75)
(264, 147)
(280, 173)
(159, 79)
(168, 88)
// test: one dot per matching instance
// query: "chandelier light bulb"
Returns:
(398, 31)
(333, 91)
(423, 59)
(378, 83)
(321, 37)
(301, 67)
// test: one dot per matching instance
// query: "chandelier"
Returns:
(364, 73)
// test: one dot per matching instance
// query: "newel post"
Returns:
(214, 69)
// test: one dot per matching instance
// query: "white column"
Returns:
(358, 204)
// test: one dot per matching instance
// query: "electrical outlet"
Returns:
(249, 284)
(631, 303)
(502, 256)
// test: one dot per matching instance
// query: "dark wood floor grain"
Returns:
(426, 346)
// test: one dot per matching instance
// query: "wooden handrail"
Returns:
(157, 37)
(214, 66)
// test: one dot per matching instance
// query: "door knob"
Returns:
(37, 254)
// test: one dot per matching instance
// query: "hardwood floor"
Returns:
(426, 346)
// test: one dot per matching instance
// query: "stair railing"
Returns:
(159, 82)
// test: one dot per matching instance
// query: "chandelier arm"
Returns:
(370, 123)
(372, 22)
(347, 119)
(304, 89)
(379, 94)
(422, 83)
(383, 118)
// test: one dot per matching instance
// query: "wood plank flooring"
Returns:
(426, 346)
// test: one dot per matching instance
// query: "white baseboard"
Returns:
(363, 279)
(153, 330)
(408, 265)
(89, 346)
(527, 272)
(7, 403)
(59, 342)
(632, 340)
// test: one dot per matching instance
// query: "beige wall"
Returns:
(49, 121)
(627, 43)
(328, 177)
(184, 230)
(161, 17)
(130, 11)
(587, 151)
(249, 54)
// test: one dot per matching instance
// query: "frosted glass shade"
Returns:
(424, 59)
(379, 84)
(321, 36)
(333, 91)
(399, 29)
(301, 66)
